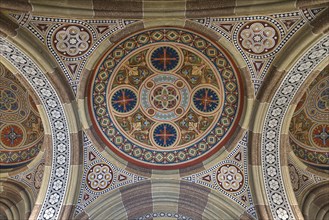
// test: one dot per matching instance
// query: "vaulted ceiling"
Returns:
(164, 109)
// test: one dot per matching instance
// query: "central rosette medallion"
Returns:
(164, 97)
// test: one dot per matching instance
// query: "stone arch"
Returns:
(315, 204)
(137, 9)
(16, 202)
(46, 82)
(317, 166)
(149, 198)
(269, 129)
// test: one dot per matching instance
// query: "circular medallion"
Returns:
(165, 98)
(72, 40)
(164, 135)
(230, 177)
(99, 177)
(12, 136)
(258, 37)
(164, 58)
(206, 100)
(123, 100)
(320, 135)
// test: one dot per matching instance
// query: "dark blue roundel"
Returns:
(165, 135)
(206, 100)
(124, 100)
(164, 58)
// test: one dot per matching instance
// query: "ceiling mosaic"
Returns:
(70, 41)
(100, 176)
(309, 128)
(259, 39)
(32, 177)
(21, 130)
(229, 177)
(165, 98)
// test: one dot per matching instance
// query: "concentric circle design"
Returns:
(165, 135)
(12, 136)
(309, 127)
(230, 177)
(165, 98)
(21, 130)
(72, 40)
(164, 58)
(320, 135)
(206, 100)
(99, 177)
(124, 100)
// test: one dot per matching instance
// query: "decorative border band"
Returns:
(61, 143)
(270, 145)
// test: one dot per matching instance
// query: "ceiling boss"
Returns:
(165, 98)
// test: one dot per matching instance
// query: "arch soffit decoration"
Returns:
(273, 177)
(318, 167)
(59, 171)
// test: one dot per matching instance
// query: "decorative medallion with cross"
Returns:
(164, 58)
(171, 98)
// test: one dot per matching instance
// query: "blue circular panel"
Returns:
(124, 100)
(164, 58)
(206, 100)
(165, 135)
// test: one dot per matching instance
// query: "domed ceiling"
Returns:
(309, 128)
(21, 130)
(165, 98)
(168, 98)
